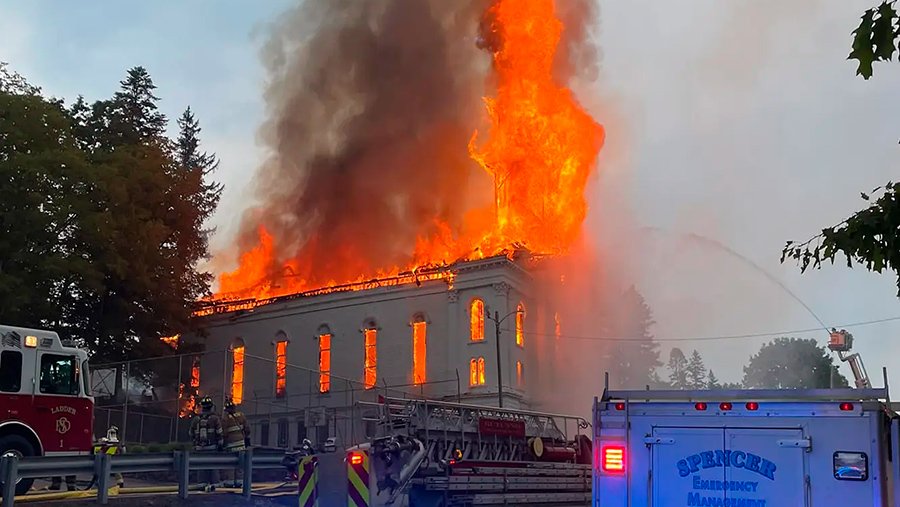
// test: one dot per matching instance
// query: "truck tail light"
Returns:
(356, 458)
(700, 406)
(752, 405)
(846, 406)
(612, 459)
(620, 406)
(724, 406)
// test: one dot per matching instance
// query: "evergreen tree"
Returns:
(637, 355)
(678, 364)
(136, 116)
(712, 382)
(696, 371)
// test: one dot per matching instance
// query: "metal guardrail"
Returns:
(102, 466)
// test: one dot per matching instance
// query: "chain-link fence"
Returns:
(152, 400)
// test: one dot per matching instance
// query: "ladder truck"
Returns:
(46, 407)
(749, 448)
(428, 453)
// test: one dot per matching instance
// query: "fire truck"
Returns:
(46, 406)
(748, 448)
(427, 453)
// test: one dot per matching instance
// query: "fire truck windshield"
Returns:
(59, 374)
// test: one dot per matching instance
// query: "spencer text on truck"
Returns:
(45, 402)
(748, 448)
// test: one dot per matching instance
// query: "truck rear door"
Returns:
(703, 466)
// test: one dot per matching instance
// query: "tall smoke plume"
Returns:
(370, 105)
(370, 109)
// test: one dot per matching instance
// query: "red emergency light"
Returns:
(700, 406)
(356, 458)
(846, 406)
(612, 459)
(620, 406)
(752, 405)
(725, 406)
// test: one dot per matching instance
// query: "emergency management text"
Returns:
(716, 485)
(694, 499)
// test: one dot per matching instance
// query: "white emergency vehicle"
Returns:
(746, 448)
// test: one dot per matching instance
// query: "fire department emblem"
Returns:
(62, 425)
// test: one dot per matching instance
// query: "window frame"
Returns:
(281, 367)
(520, 324)
(476, 320)
(237, 374)
(18, 385)
(325, 335)
(370, 355)
(419, 357)
(74, 382)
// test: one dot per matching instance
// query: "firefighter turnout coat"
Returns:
(236, 430)
(206, 432)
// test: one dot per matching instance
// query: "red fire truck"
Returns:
(46, 406)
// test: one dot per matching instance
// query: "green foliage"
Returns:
(678, 370)
(875, 39)
(636, 360)
(792, 363)
(696, 372)
(101, 227)
(869, 237)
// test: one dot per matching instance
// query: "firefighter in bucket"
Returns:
(206, 433)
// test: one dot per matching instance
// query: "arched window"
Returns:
(476, 320)
(371, 354)
(476, 371)
(419, 327)
(237, 371)
(324, 338)
(520, 324)
(281, 344)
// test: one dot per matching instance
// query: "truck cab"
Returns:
(46, 406)
(745, 448)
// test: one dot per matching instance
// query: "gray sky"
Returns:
(738, 120)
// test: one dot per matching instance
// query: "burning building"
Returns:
(299, 363)
(379, 250)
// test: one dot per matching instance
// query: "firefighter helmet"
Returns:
(229, 404)
(206, 403)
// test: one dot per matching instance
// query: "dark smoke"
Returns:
(370, 106)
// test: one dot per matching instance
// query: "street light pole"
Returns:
(499, 373)
(497, 322)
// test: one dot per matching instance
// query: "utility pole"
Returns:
(497, 322)
(499, 373)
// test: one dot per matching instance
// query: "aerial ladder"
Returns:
(440, 454)
(841, 342)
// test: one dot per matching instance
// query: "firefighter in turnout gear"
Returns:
(237, 432)
(206, 432)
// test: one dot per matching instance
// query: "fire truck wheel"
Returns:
(20, 447)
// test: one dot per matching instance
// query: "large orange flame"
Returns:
(540, 151)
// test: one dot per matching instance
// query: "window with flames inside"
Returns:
(371, 356)
(419, 352)
(237, 375)
(476, 371)
(280, 369)
(324, 362)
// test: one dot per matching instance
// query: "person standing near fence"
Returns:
(237, 432)
(206, 432)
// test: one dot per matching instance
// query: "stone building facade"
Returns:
(300, 365)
